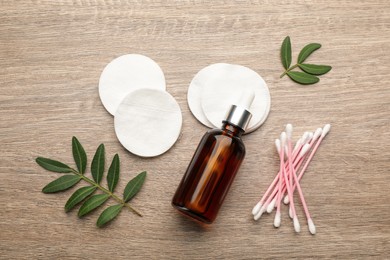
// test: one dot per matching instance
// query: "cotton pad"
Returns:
(125, 74)
(225, 87)
(148, 122)
(196, 87)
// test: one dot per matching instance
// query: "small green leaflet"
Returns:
(92, 203)
(63, 183)
(52, 165)
(286, 52)
(307, 50)
(78, 196)
(97, 166)
(302, 77)
(133, 187)
(79, 155)
(113, 173)
(109, 214)
(315, 69)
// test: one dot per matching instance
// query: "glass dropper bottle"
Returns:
(214, 165)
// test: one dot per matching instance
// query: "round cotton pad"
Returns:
(225, 89)
(196, 87)
(125, 74)
(148, 122)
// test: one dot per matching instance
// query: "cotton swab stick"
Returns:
(323, 133)
(291, 170)
(259, 206)
(280, 143)
(312, 227)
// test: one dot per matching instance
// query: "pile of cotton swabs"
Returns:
(289, 175)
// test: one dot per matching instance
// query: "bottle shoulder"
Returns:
(219, 134)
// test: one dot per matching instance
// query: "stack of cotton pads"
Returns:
(147, 118)
(216, 87)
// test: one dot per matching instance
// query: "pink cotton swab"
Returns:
(277, 219)
(312, 227)
(291, 170)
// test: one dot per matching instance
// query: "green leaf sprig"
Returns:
(85, 194)
(310, 71)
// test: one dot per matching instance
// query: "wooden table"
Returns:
(52, 54)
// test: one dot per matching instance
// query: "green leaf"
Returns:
(92, 203)
(97, 166)
(133, 187)
(113, 173)
(78, 196)
(302, 77)
(109, 214)
(79, 155)
(63, 183)
(315, 69)
(52, 165)
(285, 52)
(307, 50)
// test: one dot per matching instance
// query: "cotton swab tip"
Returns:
(297, 144)
(309, 136)
(256, 208)
(325, 130)
(258, 215)
(277, 144)
(305, 136)
(271, 206)
(277, 220)
(317, 134)
(312, 227)
(286, 200)
(289, 129)
(283, 138)
(297, 227)
(304, 150)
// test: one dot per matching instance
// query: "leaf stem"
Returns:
(289, 69)
(122, 202)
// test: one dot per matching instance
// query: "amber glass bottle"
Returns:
(213, 168)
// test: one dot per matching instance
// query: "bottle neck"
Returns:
(231, 130)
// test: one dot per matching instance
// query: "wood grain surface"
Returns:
(52, 54)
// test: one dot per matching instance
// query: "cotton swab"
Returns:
(310, 223)
(277, 219)
(291, 170)
(314, 138)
